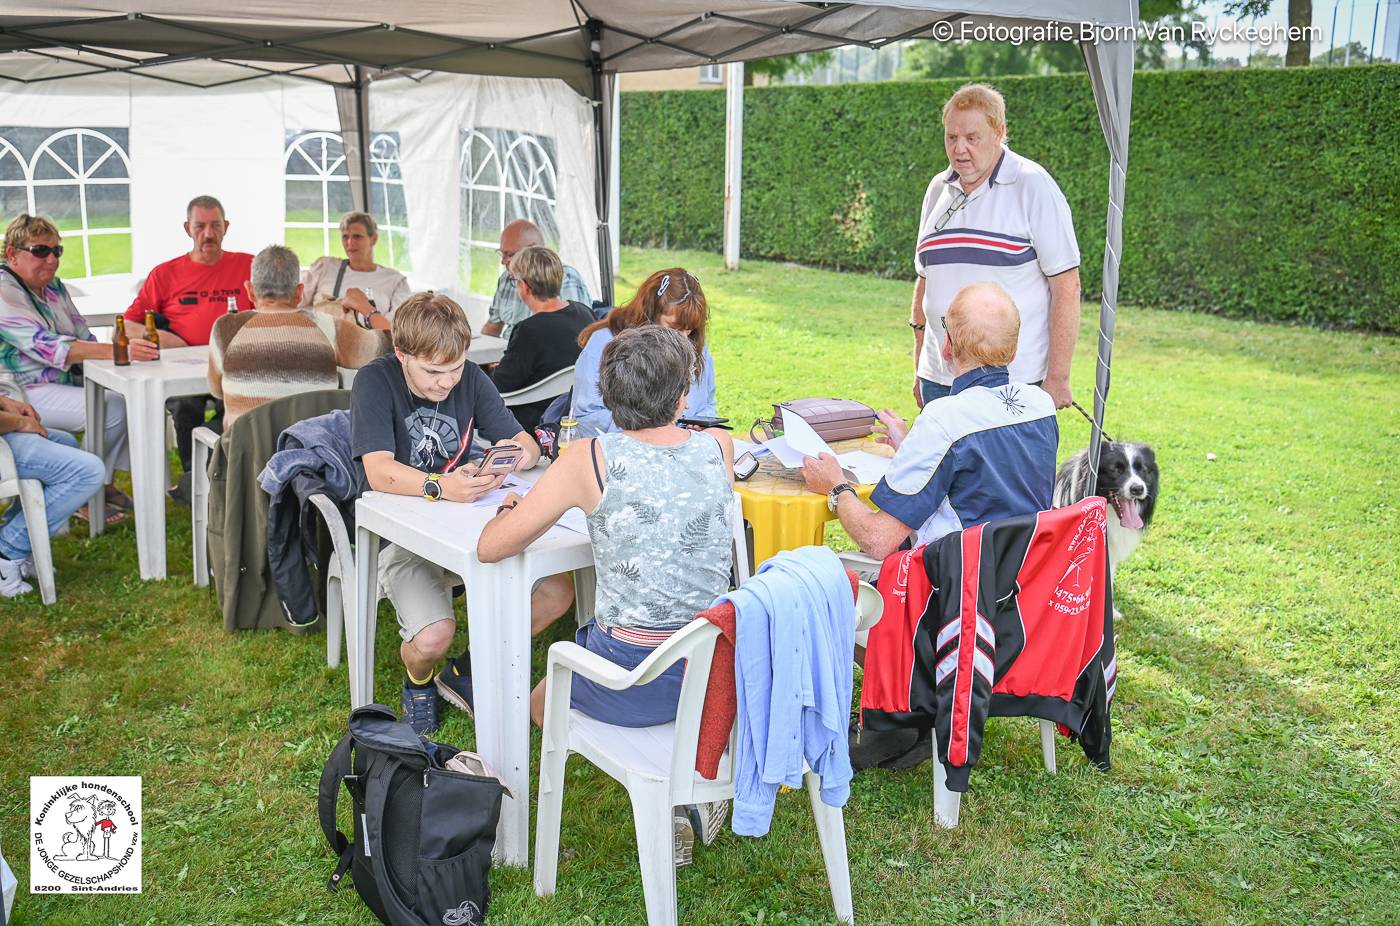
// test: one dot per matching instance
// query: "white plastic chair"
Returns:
(946, 804)
(657, 764)
(554, 384)
(31, 502)
(202, 444)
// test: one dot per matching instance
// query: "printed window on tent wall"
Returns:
(505, 175)
(81, 179)
(318, 194)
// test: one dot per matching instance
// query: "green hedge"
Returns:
(1271, 194)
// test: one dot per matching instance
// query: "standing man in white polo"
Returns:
(995, 216)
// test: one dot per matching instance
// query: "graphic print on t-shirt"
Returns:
(433, 437)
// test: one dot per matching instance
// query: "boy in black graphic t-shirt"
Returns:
(412, 417)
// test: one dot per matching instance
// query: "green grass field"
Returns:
(1257, 730)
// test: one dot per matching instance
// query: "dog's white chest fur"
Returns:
(1122, 541)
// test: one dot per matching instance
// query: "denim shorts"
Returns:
(641, 706)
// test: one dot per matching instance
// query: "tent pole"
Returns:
(733, 160)
(362, 137)
(602, 113)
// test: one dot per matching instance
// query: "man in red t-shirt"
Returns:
(187, 295)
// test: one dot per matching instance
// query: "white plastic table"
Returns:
(179, 372)
(498, 621)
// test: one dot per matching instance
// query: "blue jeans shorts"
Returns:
(642, 706)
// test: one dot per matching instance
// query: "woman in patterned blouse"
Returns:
(42, 336)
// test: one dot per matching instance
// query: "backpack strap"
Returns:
(340, 278)
(336, 770)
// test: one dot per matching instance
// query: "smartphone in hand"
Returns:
(500, 460)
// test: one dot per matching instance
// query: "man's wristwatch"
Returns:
(835, 493)
(432, 489)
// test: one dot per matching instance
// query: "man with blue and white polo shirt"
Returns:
(995, 215)
(985, 452)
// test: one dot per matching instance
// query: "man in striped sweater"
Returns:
(275, 350)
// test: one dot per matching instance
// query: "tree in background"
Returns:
(775, 69)
(1352, 54)
(1299, 19)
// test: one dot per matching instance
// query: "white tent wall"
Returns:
(231, 143)
(430, 116)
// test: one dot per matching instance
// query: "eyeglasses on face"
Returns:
(44, 251)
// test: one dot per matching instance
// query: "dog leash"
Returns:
(1090, 418)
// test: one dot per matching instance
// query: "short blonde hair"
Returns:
(25, 228)
(359, 218)
(432, 328)
(981, 97)
(541, 269)
(984, 325)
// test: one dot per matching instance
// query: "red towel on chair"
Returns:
(721, 700)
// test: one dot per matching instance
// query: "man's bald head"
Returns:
(516, 237)
(983, 326)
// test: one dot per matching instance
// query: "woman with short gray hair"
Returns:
(658, 499)
(348, 282)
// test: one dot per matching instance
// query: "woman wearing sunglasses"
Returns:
(42, 335)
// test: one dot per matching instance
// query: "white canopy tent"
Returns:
(350, 43)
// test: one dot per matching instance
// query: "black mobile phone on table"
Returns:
(700, 424)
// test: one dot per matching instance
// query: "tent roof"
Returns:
(183, 41)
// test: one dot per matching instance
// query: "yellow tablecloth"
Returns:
(782, 513)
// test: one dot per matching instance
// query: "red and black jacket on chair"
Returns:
(1008, 618)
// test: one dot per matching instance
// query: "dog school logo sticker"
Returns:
(85, 835)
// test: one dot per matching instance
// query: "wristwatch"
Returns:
(432, 489)
(835, 494)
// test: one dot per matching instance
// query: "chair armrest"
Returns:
(203, 435)
(8, 470)
(335, 524)
(681, 645)
(10, 388)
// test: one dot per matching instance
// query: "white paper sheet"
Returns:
(866, 466)
(575, 520)
(801, 438)
(496, 497)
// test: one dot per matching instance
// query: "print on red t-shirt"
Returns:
(192, 296)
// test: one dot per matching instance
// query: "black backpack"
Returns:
(423, 834)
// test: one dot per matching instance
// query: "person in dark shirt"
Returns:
(412, 417)
(545, 342)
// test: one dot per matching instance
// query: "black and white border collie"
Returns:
(1128, 480)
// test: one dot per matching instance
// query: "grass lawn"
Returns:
(1256, 761)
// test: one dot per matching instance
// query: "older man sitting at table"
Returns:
(984, 452)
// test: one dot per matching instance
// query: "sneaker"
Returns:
(419, 708)
(12, 583)
(454, 683)
(707, 820)
(684, 834)
(26, 568)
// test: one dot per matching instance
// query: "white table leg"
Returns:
(498, 619)
(359, 635)
(95, 442)
(145, 423)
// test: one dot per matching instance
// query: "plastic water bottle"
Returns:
(568, 432)
(233, 305)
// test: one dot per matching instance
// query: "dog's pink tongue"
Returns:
(1128, 514)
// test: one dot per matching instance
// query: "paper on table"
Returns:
(496, 497)
(190, 361)
(802, 438)
(868, 467)
(785, 453)
(743, 446)
(575, 520)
